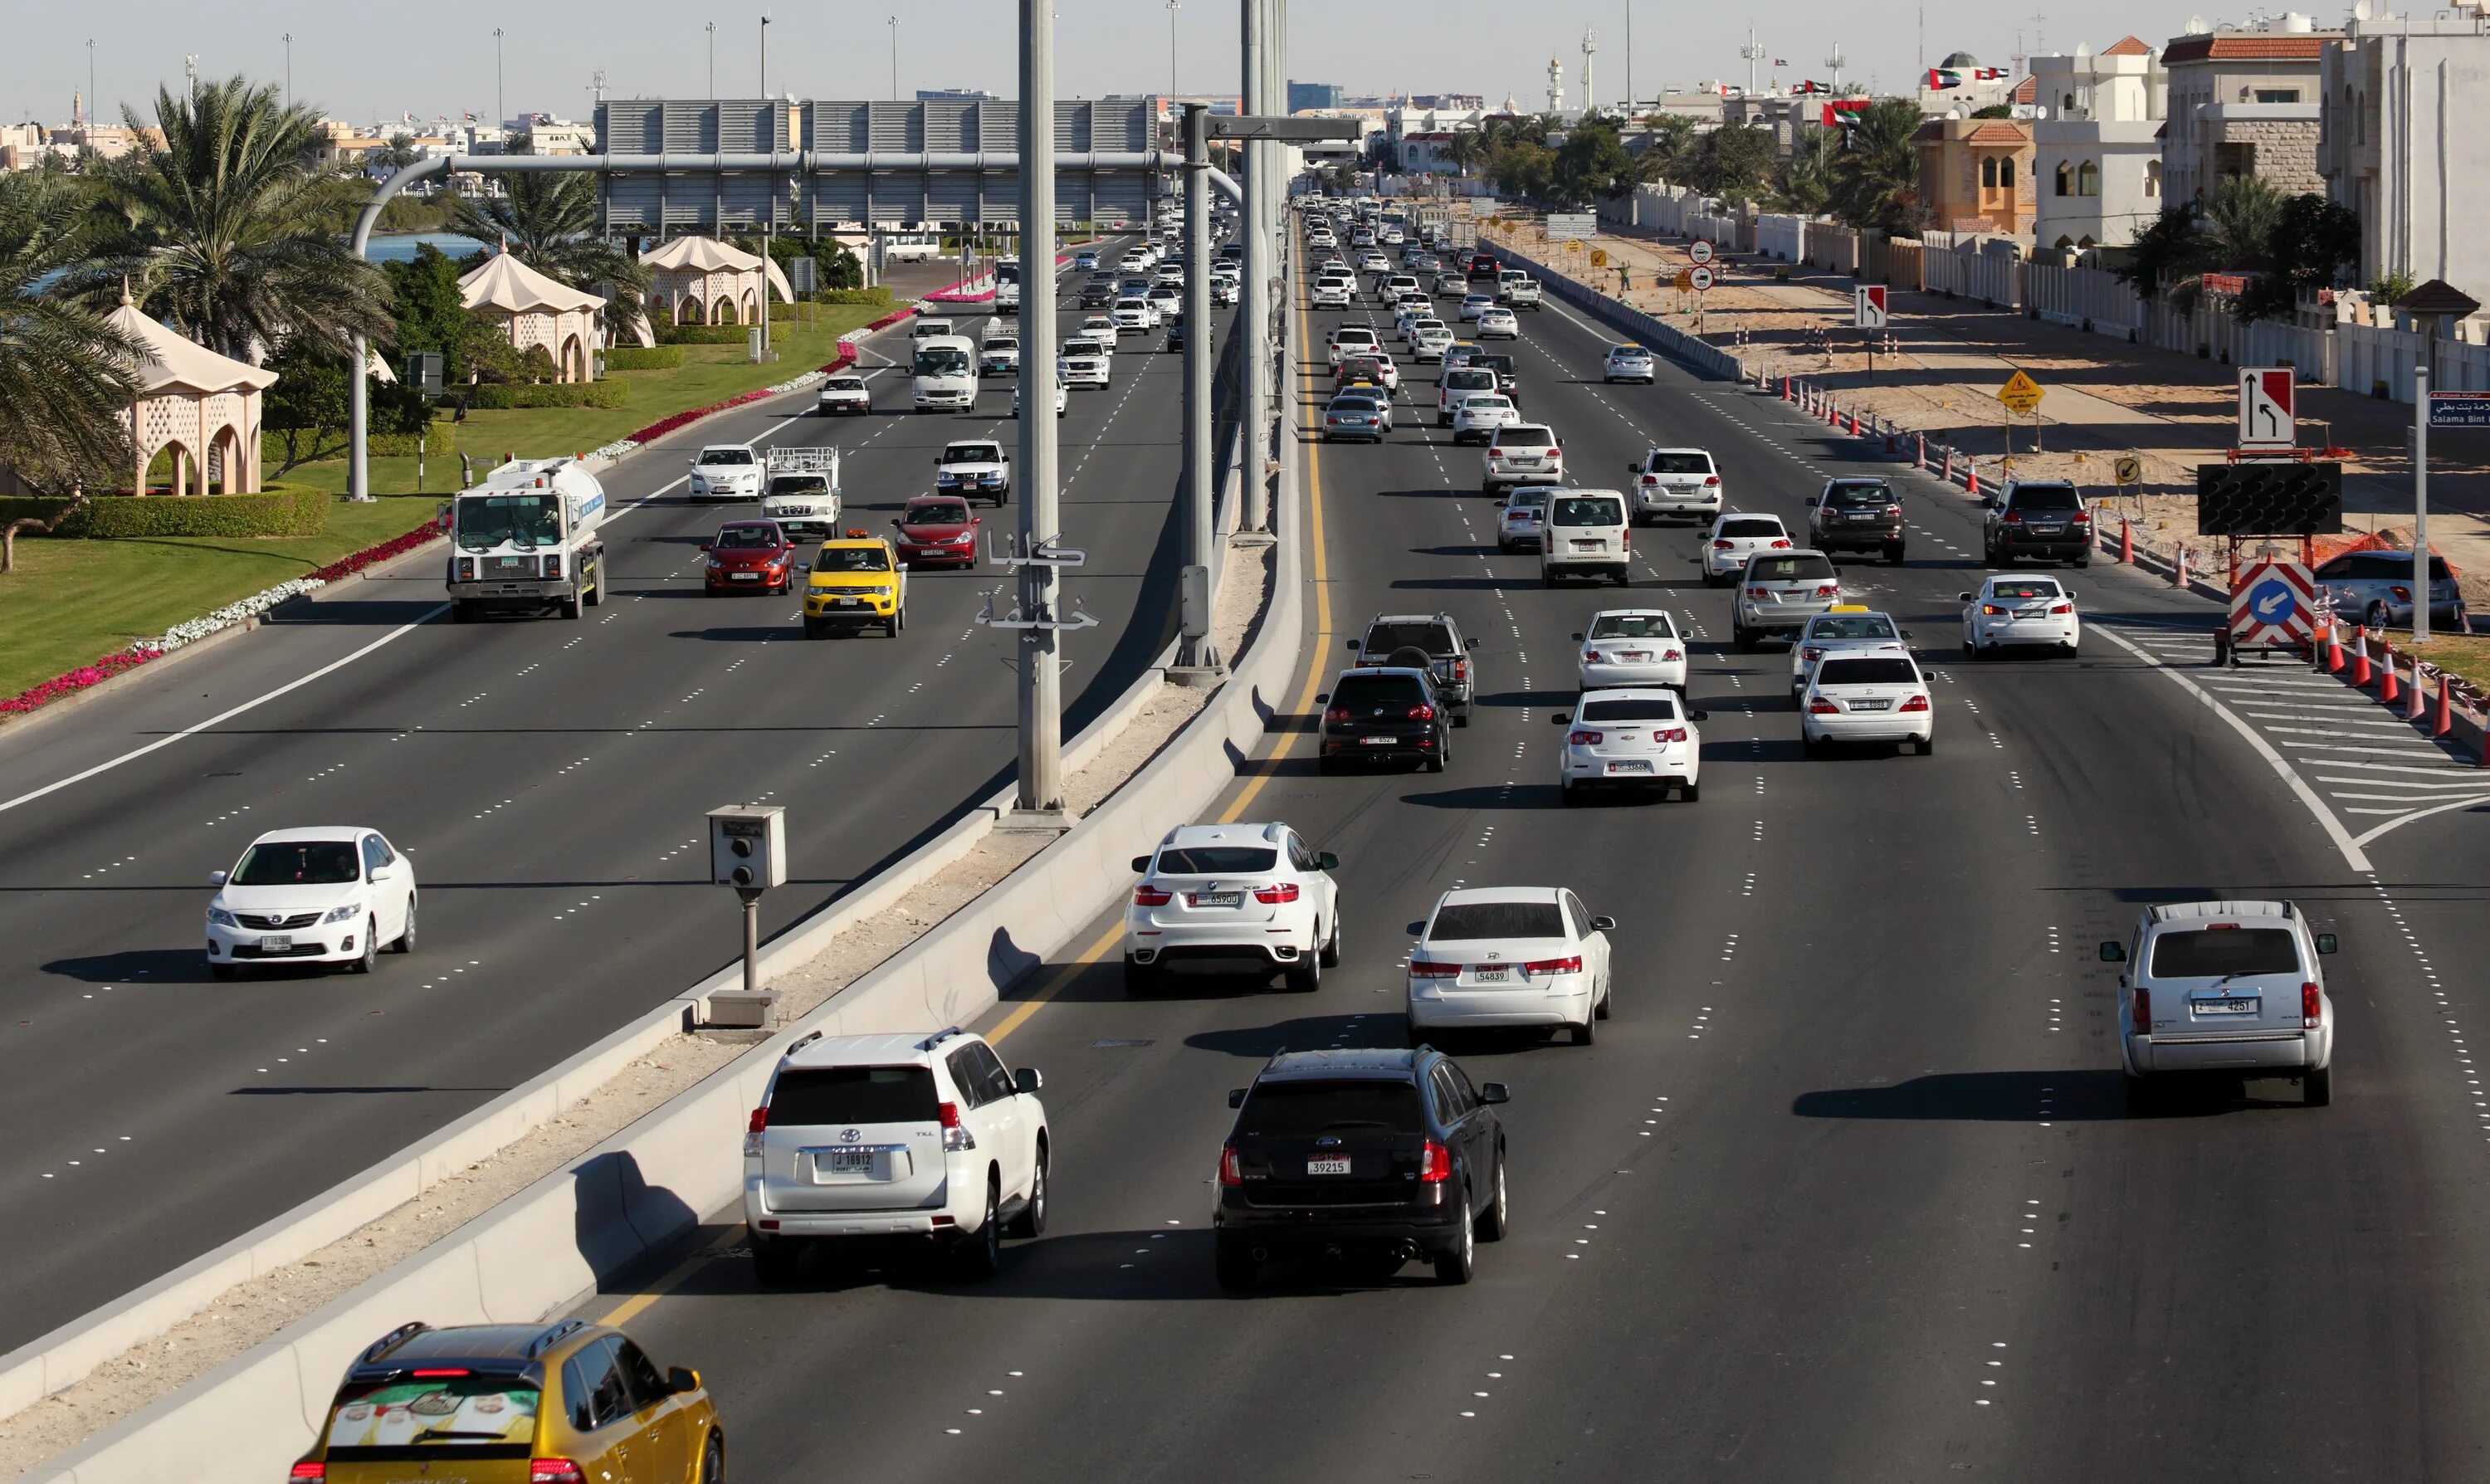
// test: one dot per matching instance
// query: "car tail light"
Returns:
(1711, 481)
(1893, 509)
(1337, 713)
(1760, 592)
(1829, 590)
(2013, 517)
(2141, 1010)
(1721, 546)
(1781, 543)
(1572, 965)
(1275, 894)
(1810, 652)
(1151, 896)
(1669, 735)
(2310, 1007)
(1992, 609)
(1625, 539)
(1650, 478)
(554, 1471)
(1591, 658)
(1672, 655)
(309, 1472)
(1422, 712)
(955, 1134)
(1818, 706)
(1586, 739)
(441, 1372)
(1461, 669)
(2401, 594)
(1439, 1164)
(1230, 1171)
(1428, 969)
(1914, 704)
(553, 566)
(2063, 608)
(753, 1128)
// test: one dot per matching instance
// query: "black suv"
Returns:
(1857, 515)
(1098, 293)
(1392, 714)
(2043, 519)
(1424, 641)
(1371, 1156)
(1508, 376)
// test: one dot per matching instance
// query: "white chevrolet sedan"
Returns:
(2020, 610)
(1510, 957)
(1639, 738)
(1866, 698)
(326, 894)
(1630, 647)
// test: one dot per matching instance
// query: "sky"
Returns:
(365, 63)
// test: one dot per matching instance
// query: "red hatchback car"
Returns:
(748, 555)
(938, 528)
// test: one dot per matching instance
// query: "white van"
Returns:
(1587, 536)
(944, 374)
(927, 326)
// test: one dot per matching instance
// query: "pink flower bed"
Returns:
(79, 679)
(348, 565)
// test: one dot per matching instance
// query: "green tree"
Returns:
(64, 371)
(230, 233)
(1525, 170)
(1672, 136)
(398, 153)
(1874, 181)
(1593, 163)
(431, 316)
(2239, 225)
(1994, 111)
(2311, 242)
(549, 223)
(1730, 161)
(1802, 183)
(1468, 148)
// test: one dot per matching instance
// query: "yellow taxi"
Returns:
(856, 582)
(570, 1403)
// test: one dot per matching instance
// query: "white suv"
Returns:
(895, 1137)
(1587, 535)
(2229, 987)
(1675, 483)
(1521, 453)
(1249, 894)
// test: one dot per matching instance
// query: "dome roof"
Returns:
(1959, 59)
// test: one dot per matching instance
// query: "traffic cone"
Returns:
(2179, 572)
(2416, 695)
(1949, 464)
(2333, 648)
(2361, 656)
(2445, 721)
(2387, 690)
(1971, 479)
(1920, 460)
(2125, 542)
(1784, 389)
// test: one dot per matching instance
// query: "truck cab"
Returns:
(800, 491)
(526, 539)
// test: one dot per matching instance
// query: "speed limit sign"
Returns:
(1700, 252)
(1701, 279)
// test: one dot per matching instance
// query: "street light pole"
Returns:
(288, 39)
(1171, 9)
(765, 66)
(895, 56)
(1041, 680)
(90, 90)
(1197, 651)
(1254, 314)
(712, 28)
(500, 107)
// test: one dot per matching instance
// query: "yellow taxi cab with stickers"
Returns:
(857, 583)
(567, 1402)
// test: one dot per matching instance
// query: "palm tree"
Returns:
(230, 233)
(1672, 135)
(64, 371)
(1468, 147)
(549, 223)
(1875, 178)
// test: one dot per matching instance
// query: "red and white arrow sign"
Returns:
(2266, 407)
(2274, 605)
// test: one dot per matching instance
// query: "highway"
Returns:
(1848, 1188)
(548, 779)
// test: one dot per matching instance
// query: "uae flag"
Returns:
(1941, 79)
(1842, 113)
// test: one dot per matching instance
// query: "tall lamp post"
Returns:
(711, 29)
(90, 88)
(1171, 9)
(765, 63)
(501, 108)
(894, 59)
(288, 39)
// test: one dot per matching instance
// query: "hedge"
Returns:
(880, 293)
(275, 512)
(703, 335)
(440, 438)
(501, 396)
(636, 358)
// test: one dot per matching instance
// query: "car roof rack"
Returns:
(554, 1334)
(939, 1038)
(392, 1339)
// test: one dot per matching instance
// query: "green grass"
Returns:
(2467, 656)
(710, 373)
(72, 600)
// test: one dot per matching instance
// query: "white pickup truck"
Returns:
(976, 468)
(1516, 290)
(802, 493)
(527, 539)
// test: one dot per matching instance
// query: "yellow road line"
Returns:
(1056, 981)
(630, 1308)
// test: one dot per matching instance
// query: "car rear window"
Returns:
(2046, 497)
(854, 1095)
(1753, 526)
(1629, 709)
(1681, 463)
(1301, 1110)
(2024, 589)
(2211, 952)
(1466, 921)
(1632, 625)
(1866, 672)
(1371, 691)
(1588, 510)
(1863, 625)
(473, 1417)
(1858, 497)
(798, 485)
(1384, 638)
(1810, 567)
(1467, 380)
(1215, 861)
(1525, 438)
(940, 513)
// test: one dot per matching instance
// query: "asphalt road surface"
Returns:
(1848, 1188)
(549, 780)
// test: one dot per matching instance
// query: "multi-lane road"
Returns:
(1848, 1188)
(549, 781)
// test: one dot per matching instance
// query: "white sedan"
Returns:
(1476, 304)
(1510, 956)
(1498, 325)
(1481, 414)
(1866, 698)
(1062, 396)
(2020, 610)
(329, 894)
(1629, 363)
(1736, 535)
(1630, 647)
(1224, 896)
(1846, 628)
(1429, 341)
(1641, 737)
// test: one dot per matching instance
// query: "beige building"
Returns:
(2242, 102)
(2401, 146)
(1976, 174)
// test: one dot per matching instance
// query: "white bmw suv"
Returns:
(894, 1138)
(1249, 896)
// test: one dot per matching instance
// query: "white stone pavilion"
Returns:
(700, 281)
(535, 310)
(202, 406)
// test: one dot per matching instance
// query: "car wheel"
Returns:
(1032, 1220)
(812, 630)
(1304, 972)
(1326, 765)
(1496, 1220)
(1968, 649)
(2084, 561)
(891, 626)
(1588, 1032)
(406, 939)
(460, 611)
(1455, 1268)
(1436, 760)
(2374, 616)
(1608, 998)
(1234, 1263)
(371, 947)
(774, 1260)
(1894, 554)
(2316, 1087)
(713, 1460)
(2143, 1096)
(1143, 980)
(1331, 944)
(980, 1254)
(1810, 747)
(1689, 792)
(1567, 793)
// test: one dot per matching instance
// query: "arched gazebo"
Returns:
(700, 281)
(534, 309)
(201, 405)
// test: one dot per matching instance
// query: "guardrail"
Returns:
(1691, 351)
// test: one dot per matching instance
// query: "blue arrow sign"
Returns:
(2272, 601)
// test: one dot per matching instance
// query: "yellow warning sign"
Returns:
(2021, 393)
(2128, 470)
(1599, 257)
(1685, 278)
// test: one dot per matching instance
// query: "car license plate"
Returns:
(1633, 653)
(281, 943)
(2248, 1005)
(1631, 765)
(746, 576)
(1489, 975)
(1377, 741)
(1214, 898)
(1870, 705)
(1589, 545)
(2048, 530)
(848, 602)
(844, 1161)
(1328, 1164)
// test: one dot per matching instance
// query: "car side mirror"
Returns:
(1472, 644)
(1418, 929)
(1904, 632)
(1348, 644)
(1699, 715)
(1634, 468)
(1324, 699)
(1560, 718)
(1603, 924)
(1495, 1093)
(1028, 1080)
(2326, 943)
(2073, 594)
(1962, 597)
(1577, 638)
(1140, 862)
(680, 1379)
(1236, 1097)
(382, 873)
(216, 878)
(703, 545)
(2112, 952)
(1325, 860)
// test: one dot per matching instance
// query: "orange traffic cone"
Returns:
(2125, 542)
(2416, 695)
(2387, 689)
(2445, 721)
(1971, 479)
(2333, 648)
(2361, 656)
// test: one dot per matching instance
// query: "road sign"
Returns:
(2265, 407)
(1599, 257)
(1699, 251)
(1868, 306)
(1573, 245)
(1685, 278)
(1698, 278)
(2459, 409)
(2269, 497)
(2020, 394)
(1573, 225)
(2127, 470)
(2274, 605)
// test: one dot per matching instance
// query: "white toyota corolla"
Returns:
(2020, 610)
(328, 894)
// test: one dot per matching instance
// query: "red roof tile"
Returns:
(2128, 46)
(2028, 90)
(2237, 48)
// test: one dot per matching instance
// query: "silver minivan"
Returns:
(2224, 987)
(1780, 591)
(1587, 535)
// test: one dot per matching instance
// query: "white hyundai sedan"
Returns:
(1846, 628)
(2020, 610)
(326, 894)
(1249, 896)
(1492, 957)
(1630, 647)
(1638, 738)
(1871, 698)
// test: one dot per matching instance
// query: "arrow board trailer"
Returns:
(800, 491)
(2274, 610)
(526, 539)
